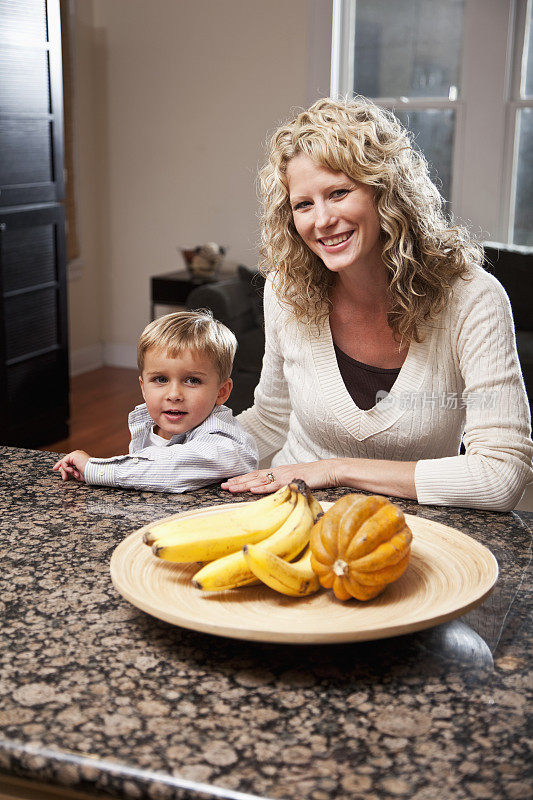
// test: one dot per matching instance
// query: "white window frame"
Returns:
(516, 102)
(484, 155)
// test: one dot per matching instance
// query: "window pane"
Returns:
(523, 210)
(434, 132)
(408, 48)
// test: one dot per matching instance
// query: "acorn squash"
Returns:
(359, 546)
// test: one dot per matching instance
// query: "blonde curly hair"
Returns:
(422, 252)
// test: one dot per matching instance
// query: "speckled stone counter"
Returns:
(100, 697)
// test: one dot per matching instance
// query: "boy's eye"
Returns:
(193, 379)
(160, 379)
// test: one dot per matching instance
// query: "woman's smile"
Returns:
(334, 215)
(336, 242)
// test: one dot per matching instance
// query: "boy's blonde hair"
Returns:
(190, 330)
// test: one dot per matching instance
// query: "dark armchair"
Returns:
(238, 303)
(513, 266)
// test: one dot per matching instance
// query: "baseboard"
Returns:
(120, 355)
(86, 359)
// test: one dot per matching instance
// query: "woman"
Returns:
(386, 342)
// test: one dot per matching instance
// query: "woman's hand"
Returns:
(72, 465)
(316, 474)
(396, 478)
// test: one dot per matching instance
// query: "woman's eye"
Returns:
(340, 192)
(302, 205)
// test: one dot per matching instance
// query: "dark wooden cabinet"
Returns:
(34, 380)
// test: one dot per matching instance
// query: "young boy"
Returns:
(183, 436)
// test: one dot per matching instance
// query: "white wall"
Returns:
(84, 292)
(174, 102)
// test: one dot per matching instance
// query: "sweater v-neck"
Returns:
(360, 423)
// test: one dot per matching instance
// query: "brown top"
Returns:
(363, 381)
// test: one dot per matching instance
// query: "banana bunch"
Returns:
(241, 545)
(204, 538)
(295, 578)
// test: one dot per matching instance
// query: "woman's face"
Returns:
(334, 215)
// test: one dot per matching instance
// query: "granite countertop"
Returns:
(100, 697)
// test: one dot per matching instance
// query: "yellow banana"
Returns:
(227, 519)
(296, 578)
(315, 506)
(223, 538)
(289, 540)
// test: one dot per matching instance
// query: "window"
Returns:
(445, 68)
(521, 217)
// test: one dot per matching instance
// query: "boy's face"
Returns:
(181, 392)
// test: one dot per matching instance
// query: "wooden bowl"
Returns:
(449, 574)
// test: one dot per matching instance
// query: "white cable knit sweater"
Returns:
(463, 378)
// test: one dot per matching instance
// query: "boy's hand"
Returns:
(72, 466)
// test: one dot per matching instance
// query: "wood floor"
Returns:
(100, 402)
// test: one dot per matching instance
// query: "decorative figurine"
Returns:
(204, 261)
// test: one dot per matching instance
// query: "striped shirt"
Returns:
(216, 449)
